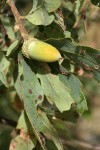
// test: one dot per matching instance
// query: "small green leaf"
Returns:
(82, 105)
(67, 34)
(12, 47)
(21, 124)
(40, 17)
(4, 66)
(77, 6)
(36, 5)
(52, 5)
(75, 86)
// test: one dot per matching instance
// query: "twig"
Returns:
(19, 22)
(80, 144)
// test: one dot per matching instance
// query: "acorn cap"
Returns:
(25, 46)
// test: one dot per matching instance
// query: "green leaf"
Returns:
(4, 66)
(82, 105)
(29, 90)
(52, 5)
(40, 17)
(36, 5)
(23, 144)
(21, 124)
(86, 57)
(77, 95)
(96, 2)
(56, 92)
(68, 5)
(12, 47)
(23, 86)
(75, 86)
(67, 34)
(50, 130)
(53, 31)
(77, 6)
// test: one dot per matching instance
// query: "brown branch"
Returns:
(19, 22)
(80, 144)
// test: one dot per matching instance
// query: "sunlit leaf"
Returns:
(40, 17)
(56, 92)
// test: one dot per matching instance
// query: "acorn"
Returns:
(41, 51)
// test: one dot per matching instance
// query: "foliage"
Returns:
(36, 95)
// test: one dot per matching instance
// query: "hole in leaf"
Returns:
(22, 78)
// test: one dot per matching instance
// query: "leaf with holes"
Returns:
(29, 90)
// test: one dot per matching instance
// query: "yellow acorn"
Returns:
(41, 51)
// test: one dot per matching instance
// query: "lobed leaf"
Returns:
(56, 92)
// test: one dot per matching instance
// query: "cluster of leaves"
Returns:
(36, 94)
